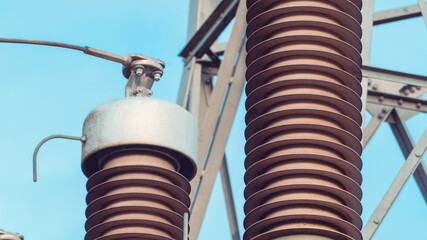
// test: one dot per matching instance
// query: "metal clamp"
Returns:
(36, 151)
(4, 235)
(141, 72)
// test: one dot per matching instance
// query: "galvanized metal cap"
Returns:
(145, 121)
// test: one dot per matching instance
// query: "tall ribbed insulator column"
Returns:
(139, 161)
(303, 120)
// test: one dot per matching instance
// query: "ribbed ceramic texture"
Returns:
(303, 119)
(137, 194)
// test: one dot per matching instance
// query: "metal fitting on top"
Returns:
(141, 72)
(140, 121)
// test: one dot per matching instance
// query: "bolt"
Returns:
(139, 71)
(375, 87)
(381, 98)
(149, 92)
(400, 102)
(157, 76)
(418, 105)
(412, 89)
(406, 92)
(417, 155)
(376, 221)
(383, 110)
(380, 116)
(418, 87)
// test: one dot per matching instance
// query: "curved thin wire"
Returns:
(46, 43)
(87, 50)
(36, 151)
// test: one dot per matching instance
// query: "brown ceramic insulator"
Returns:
(137, 194)
(255, 7)
(303, 120)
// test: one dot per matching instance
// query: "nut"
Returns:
(157, 76)
(139, 71)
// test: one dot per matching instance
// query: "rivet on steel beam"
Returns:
(406, 92)
(381, 98)
(418, 105)
(400, 102)
(375, 87)
(231, 81)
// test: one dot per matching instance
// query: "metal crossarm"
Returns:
(397, 14)
(396, 187)
(406, 144)
(210, 30)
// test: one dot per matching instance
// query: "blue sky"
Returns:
(45, 90)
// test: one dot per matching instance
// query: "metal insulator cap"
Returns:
(140, 121)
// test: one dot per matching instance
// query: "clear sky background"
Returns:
(45, 90)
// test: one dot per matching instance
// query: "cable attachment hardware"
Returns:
(141, 72)
(10, 236)
(36, 151)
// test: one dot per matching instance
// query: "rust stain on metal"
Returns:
(303, 120)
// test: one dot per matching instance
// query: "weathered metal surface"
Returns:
(303, 120)
(140, 121)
